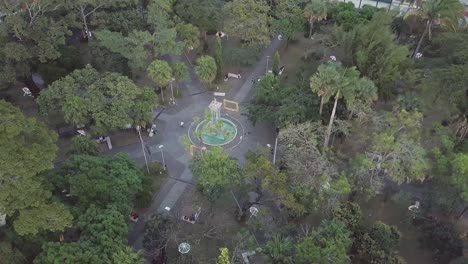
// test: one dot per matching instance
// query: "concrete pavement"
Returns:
(177, 159)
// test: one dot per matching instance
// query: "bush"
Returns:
(84, 146)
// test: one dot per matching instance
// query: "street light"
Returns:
(161, 147)
(143, 149)
(172, 92)
(266, 69)
(276, 146)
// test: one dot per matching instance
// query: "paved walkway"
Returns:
(194, 103)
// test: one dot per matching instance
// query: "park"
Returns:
(233, 132)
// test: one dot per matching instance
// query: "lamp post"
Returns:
(276, 146)
(172, 92)
(266, 69)
(161, 147)
(143, 148)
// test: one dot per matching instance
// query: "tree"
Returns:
(84, 146)
(315, 10)
(30, 35)
(10, 254)
(329, 243)
(263, 176)
(445, 12)
(276, 63)
(223, 257)
(376, 56)
(248, 20)
(332, 79)
(215, 172)
(128, 256)
(102, 181)
(267, 100)
(378, 245)
(219, 58)
(131, 47)
(279, 249)
(86, 8)
(395, 152)
(157, 232)
(350, 214)
(106, 101)
(27, 149)
(181, 73)
(205, 14)
(106, 229)
(299, 145)
(160, 72)
(68, 253)
(440, 238)
(189, 34)
(288, 20)
(206, 68)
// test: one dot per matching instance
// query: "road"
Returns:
(194, 103)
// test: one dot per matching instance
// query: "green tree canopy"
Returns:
(206, 68)
(106, 101)
(315, 11)
(334, 80)
(223, 257)
(279, 249)
(102, 181)
(160, 72)
(181, 72)
(248, 20)
(28, 36)
(329, 243)
(205, 14)
(378, 245)
(215, 172)
(189, 34)
(395, 152)
(27, 148)
(69, 253)
(288, 18)
(444, 12)
(376, 56)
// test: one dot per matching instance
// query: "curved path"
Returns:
(194, 103)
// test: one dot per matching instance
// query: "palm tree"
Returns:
(315, 10)
(332, 79)
(161, 73)
(433, 12)
(279, 249)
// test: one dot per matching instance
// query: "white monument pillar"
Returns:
(215, 108)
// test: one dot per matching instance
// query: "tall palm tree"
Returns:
(315, 10)
(332, 79)
(433, 12)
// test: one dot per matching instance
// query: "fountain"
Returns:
(215, 130)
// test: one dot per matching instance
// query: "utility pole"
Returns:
(161, 147)
(276, 146)
(138, 128)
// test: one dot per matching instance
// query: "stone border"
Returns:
(225, 143)
(228, 146)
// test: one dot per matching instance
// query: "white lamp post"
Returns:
(143, 149)
(172, 92)
(266, 69)
(161, 147)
